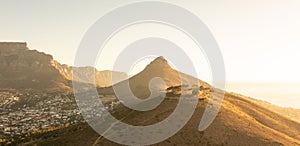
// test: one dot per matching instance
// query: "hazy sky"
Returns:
(259, 39)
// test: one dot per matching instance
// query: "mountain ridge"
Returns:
(22, 68)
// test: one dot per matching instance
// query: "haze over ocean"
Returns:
(284, 94)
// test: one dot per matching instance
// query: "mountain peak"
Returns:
(161, 58)
(159, 62)
(160, 68)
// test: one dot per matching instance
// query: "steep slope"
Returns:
(160, 68)
(290, 113)
(21, 68)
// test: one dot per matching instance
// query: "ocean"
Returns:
(281, 94)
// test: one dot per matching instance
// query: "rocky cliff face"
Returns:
(21, 68)
(102, 78)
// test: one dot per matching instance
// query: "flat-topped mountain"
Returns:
(22, 68)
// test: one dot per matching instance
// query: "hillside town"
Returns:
(21, 114)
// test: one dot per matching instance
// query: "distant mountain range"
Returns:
(241, 120)
(25, 69)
